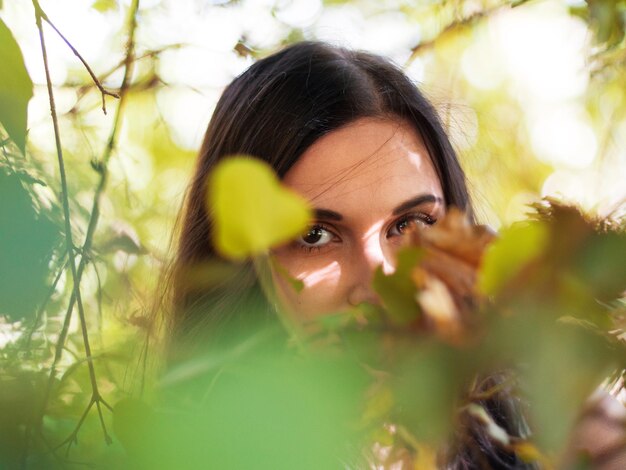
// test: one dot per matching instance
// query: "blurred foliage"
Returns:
(29, 240)
(251, 210)
(16, 88)
(546, 298)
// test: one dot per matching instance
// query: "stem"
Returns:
(66, 209)
(103, 170)
(103, 163)
(293, 327)
(103, 91)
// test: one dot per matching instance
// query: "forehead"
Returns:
(371, 163)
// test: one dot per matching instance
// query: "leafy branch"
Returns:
(95, 398)
(102, 168)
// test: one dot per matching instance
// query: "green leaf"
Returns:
(104, 5)
(505, 257)
(16, 88)
(426, 383)
(606, 20)
(561, 363)
(397, 290)
(251, 211)
(601, 264)
(27, 240)
(267, 410)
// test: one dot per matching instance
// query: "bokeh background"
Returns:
(532, 93)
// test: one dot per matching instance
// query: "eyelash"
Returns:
(420, 216)
(312, 248)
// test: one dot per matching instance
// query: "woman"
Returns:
(353, 135)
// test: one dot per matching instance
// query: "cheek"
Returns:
(322, 290)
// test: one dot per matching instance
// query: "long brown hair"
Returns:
(274, 111)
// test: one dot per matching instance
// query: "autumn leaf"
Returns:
(446, 276)
(251, 210)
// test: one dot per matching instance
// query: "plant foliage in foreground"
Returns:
(539, 306)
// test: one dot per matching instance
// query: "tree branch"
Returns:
(67, 218)
(469, 20)
(39, 12)
(102, 168)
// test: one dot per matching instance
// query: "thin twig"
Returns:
(147, 54)
(44, 304)
(102, 165)
(103, 91)
(294, 328)
(77, 273)
(67, 217)
(95, 211)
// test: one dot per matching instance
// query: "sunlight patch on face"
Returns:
(330, 273)
(415, 158)
(373, 249)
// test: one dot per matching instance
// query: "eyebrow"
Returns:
(417, 201)
(327, 214)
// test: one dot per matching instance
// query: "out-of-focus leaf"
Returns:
(445, 277)
(20, 395)
(296, 284)
(104, 5)
(251, 211)
(456, 236)
(426, 458)
(379, 403)
(438, 307)
(504, 259)
(547, 349)
(27, 240)
(267, 412)
(133, 424)
(397, 290)
(601, 264)
(426, 384)
(607, 20)
(16, 88)
(529, 453)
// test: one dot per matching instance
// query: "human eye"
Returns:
(317, 237)
(404, 223)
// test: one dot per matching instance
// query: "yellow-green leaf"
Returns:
(104, 6)
(506, 256)
(397, 290)
(16, 88)
(251, 210)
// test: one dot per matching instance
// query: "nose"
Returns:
(368, 256)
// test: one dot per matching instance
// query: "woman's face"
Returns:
(367, 182)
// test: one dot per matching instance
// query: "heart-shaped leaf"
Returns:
(251, 211)
(16, 88)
